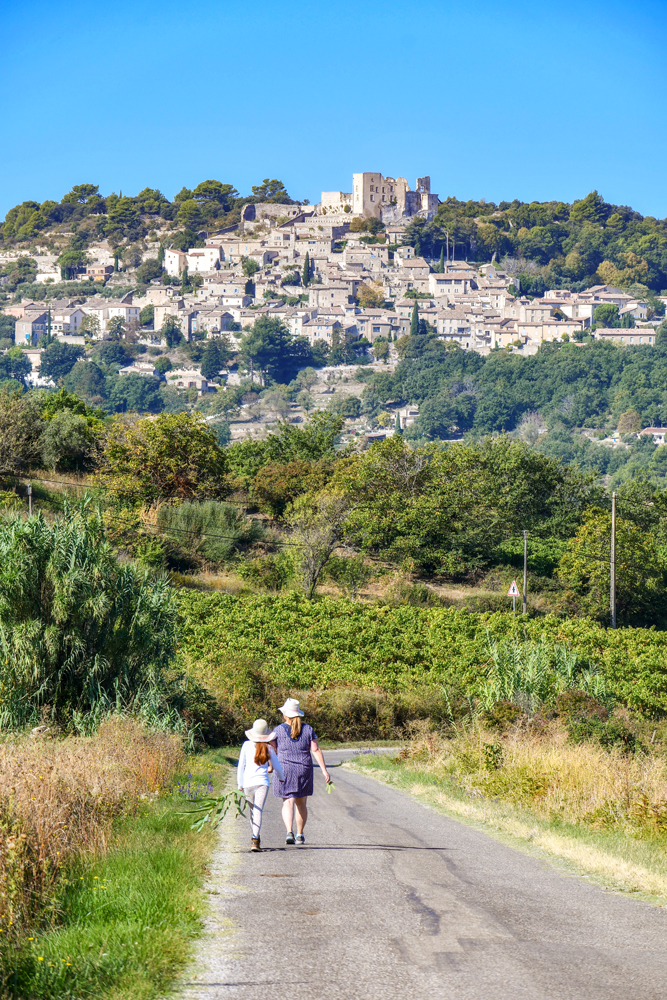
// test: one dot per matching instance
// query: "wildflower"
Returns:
(40, 958)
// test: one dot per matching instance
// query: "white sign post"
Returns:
(513, 592)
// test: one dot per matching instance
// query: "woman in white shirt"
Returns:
(256, 761)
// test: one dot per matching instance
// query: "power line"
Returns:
(206, 534)
(112, 489)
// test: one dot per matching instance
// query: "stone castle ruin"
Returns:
(388, 199)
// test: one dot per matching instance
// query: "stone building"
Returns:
(386, 198)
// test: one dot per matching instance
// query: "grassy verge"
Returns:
(612, 858)
(128, 919)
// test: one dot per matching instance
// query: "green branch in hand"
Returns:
(214, 809)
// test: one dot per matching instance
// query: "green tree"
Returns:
(584, 570)
(134, 393)
(447, 509)
(347, 406)
(189, 215)
(592, 208)
(414, 321)
(272, 191)
(315, 441)
(268, 348)
(306, 378)
(305, 400)
(68, 442)
(8, 327)
(54, 402)
(171, 331)
(111, 352)
(86, 379)
(215, 193)
(123, 217)
(149, 270)
(305, 276)
(19, 272)
(249, 266)
(211, 362)
(14, 365)
(349, 572)
(115, 327)
(174, 455)
(90, 326)
(151, 201)
(316, 523)
(606, 315)
(80, 631)
(21, 427)
(381, 349)
(69, 263)
(58, 359)
(147, 315)
(81, 194)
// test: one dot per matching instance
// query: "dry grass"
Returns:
(58, 800)
(578, 784)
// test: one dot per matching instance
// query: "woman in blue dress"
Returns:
(295, 740)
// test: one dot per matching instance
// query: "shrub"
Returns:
(78, 630)
(266, 572)
(210, 531)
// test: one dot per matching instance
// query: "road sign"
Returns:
(514, 590)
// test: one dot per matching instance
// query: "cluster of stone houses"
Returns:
(480, 308)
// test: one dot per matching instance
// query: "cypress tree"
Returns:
(305, 277)
(414, 322)
(211, 362)
(442, 259)
(397, 425)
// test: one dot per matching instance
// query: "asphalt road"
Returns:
(389, 899)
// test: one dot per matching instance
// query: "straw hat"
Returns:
(291, 708)
(260, 732)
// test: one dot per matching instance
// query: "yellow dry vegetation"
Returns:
(603, 812)
(59, 798)
(576, 783)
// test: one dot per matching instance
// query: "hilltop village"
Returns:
(346, 278)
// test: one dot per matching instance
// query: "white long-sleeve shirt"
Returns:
(249, 774)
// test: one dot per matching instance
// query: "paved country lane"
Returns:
(389, 899)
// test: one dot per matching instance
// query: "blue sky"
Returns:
(518, 100)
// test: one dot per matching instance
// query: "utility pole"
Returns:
(525, 570)
(612, 563)
(30, 499)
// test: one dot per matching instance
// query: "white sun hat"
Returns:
(291, 708)
(260, 732)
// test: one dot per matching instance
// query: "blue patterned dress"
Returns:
(296, 762)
